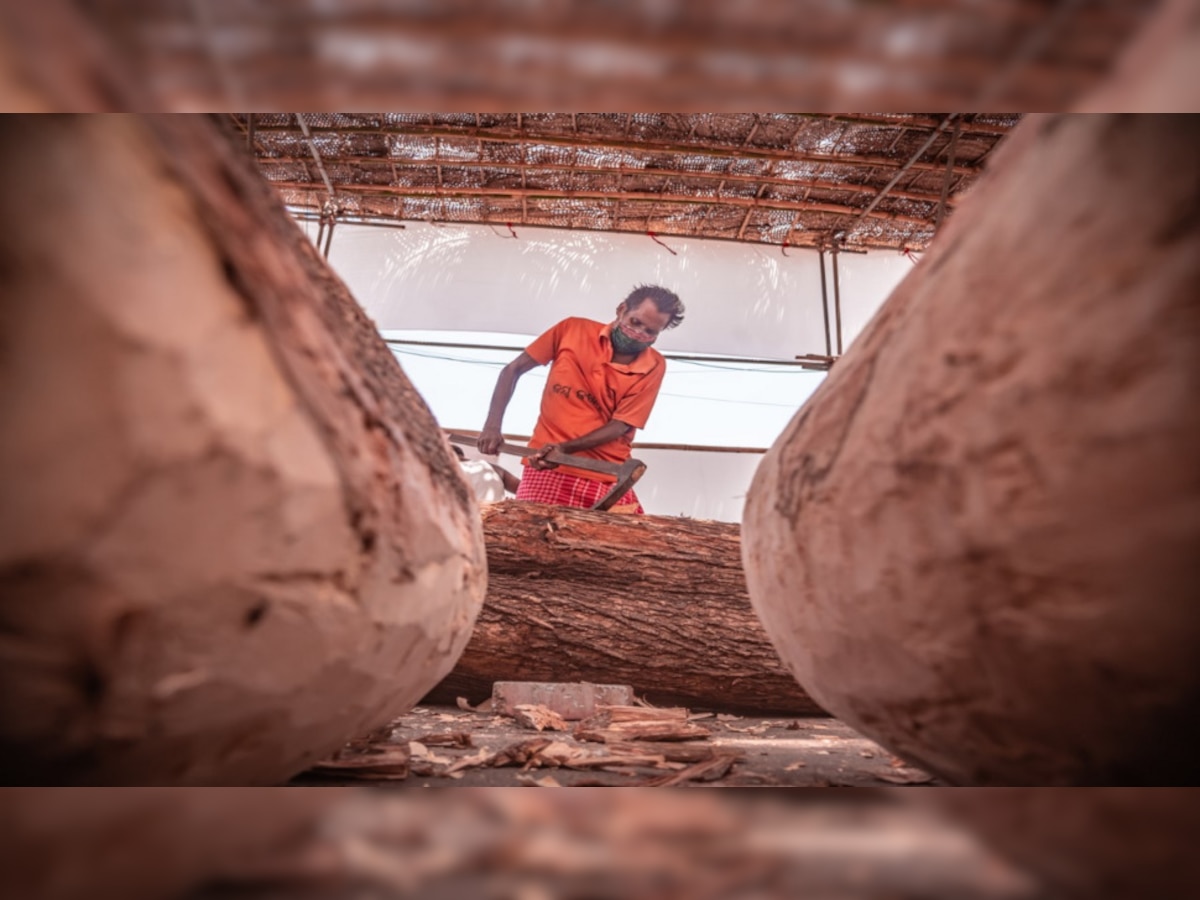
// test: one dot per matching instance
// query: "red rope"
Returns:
(510, 228)
(654, 237)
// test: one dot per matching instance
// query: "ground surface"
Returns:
(447, 746)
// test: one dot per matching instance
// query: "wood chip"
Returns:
(904, 776)
(632, 723)
(642, 713)
(612, 759)
(798, 764)
(388, 763)
(558, 753)
(519, 753)
(544, 781)
(421, 752)
(484, 757)
(448, 739)
(753, 729)
(538, 717)
(709, 770)
(464, 704)
(672, 751)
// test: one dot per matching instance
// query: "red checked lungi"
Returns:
(561, 489)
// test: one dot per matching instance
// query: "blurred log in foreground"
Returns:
(656, 602)
(492, 845)
(1098, 844)
(979, 541)
(232, 536)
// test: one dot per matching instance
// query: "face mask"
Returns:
(623, 343)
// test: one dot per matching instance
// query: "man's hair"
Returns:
(668, 303)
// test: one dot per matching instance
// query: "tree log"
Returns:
(655, 602)
(979, 541)
(232, 535)
(1107, 842)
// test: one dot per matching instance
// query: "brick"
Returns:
(571, 700)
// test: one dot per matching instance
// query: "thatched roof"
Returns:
(864, 180)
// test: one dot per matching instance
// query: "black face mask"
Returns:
(624, 344)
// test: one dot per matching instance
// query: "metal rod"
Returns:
(900, 174)
(315, 155)
(668, 354)
(366, 223)
(949, 177)
(250, 132)
(303, 212)
(629, 196)
(837, 300)
(620, 171)
(825, 304)
(329, 237)
(647, 146)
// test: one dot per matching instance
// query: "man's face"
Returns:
(641, 323)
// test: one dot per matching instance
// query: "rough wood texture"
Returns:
(979, 541)
(655, 602)
(153, 843)
(232, 536)
(1108, 843)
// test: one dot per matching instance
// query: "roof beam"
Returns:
(619, 171)
(626, 197)
(900, 174)
(604, 142)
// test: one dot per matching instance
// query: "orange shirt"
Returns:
(585, 389)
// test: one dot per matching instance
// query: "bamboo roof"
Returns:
(861, 180)
(709, 169)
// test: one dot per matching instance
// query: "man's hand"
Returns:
(538, 460)
(490, 440)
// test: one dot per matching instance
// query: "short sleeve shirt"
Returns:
(585, 389)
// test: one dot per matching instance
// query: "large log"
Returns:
(656, 602)
(1106, 843)
(979, 541)
(232, 536)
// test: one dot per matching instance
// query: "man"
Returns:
(602, 385)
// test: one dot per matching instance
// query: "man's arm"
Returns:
(511, 481)
(491, 437)
(609, 431)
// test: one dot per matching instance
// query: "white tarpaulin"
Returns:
(742, 299)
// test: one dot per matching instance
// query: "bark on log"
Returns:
(979, 541)
(232, 535)
(1109, 843)
(655, 602)
(157, 842)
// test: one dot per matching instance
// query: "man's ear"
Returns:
(620, 309)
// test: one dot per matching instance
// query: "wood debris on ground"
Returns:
(376, 762)
(539, 718)
(624, 723)
(631, 740)
(634, 745)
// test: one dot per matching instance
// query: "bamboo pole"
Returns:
(629, 196)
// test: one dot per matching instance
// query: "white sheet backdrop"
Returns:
(431, 282)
